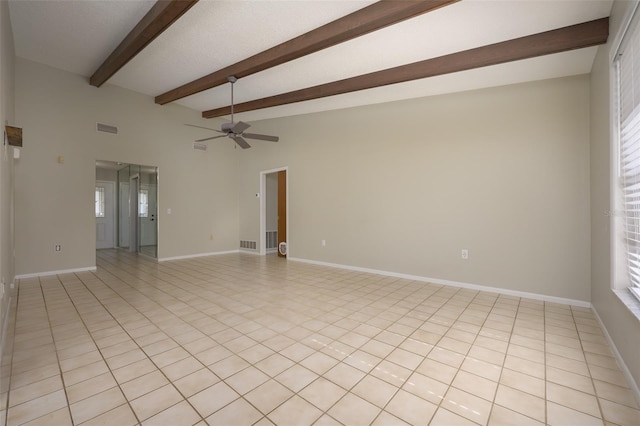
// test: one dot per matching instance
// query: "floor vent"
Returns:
(198, 146)
(272, 240)
(248, 245)
(106, 128)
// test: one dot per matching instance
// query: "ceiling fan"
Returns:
(235, 130)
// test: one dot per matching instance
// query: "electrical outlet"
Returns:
(58, 247)
(324, 243)
(465, 254)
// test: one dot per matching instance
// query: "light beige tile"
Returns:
(121, 416)
(445, 417)
(353, 410)
(274, 364)
(572, 398)
(523, 382)
(268, 396)
(501, 416)
(144, 384)
(59, 417)
(134, 370)
(387, 419)
(319, 363)
(34, 390)
(196, 382)
(322, 393)
(228, 366)
(405, 358)
(246, 380)
(410, 408)
(467, 405)
(619, 414)
(439, 371)
(619, 394)
(238, 413)
(476, 385)
(391, 373)
(36, 408)
(182, 368)
(560, 415)
(96, 405)
(375, 391)
(90, 387)
(296, 377)
(181, 413)
(524, 366)
(295, 410)
(521, 402)
(155, 401)
(426, 388)
(344, 375)
(213, 398)
(569, 379)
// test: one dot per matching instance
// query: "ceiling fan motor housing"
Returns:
(227, 127)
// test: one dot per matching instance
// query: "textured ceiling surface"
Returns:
(78, 36)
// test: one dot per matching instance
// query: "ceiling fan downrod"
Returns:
(232, 79)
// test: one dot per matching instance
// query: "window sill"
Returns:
(629, 301)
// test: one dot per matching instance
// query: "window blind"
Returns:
(628, 111)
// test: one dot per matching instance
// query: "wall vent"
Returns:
(199, 146)
(248, 245)
(272, 240)
(106, 128)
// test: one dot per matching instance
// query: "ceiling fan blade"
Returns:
(240, 127)
(243, 144)
(261, 137)
(212, 137)
(200, 127)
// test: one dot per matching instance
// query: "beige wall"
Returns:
(404, 186)
(7, 59)
(622, 326)
(54, 202)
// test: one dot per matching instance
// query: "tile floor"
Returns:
(241, 340)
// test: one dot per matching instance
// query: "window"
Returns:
(99, 201)
(627, 66)
(143, 203)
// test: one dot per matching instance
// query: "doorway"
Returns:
(138, 209)
(274, 207)
(129, 200)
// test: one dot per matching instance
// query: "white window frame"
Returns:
(625, 222)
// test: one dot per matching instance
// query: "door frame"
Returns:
(114, 213)
(134, 225)
(263, 209)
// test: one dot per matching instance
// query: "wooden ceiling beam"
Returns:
(578, 36)
(159, 18)
(371, 18)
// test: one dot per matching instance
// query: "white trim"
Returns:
(59, 272)
(250, 251)
(624, 27)
(536, 296)
(635, 390)
(192, 256)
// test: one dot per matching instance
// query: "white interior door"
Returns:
(105, 214)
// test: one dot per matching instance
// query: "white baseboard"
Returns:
(469, 286)
(59, 272)
(249, 251)
(193, 256)
(623, 366)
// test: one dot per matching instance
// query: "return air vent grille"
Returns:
(198, 146)
(248, 245)
(106, 128)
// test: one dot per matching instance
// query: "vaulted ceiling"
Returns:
(300, 56)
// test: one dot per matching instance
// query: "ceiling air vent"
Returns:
(198, 146)
(106, 128)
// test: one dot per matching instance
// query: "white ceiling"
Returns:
(78, 35)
